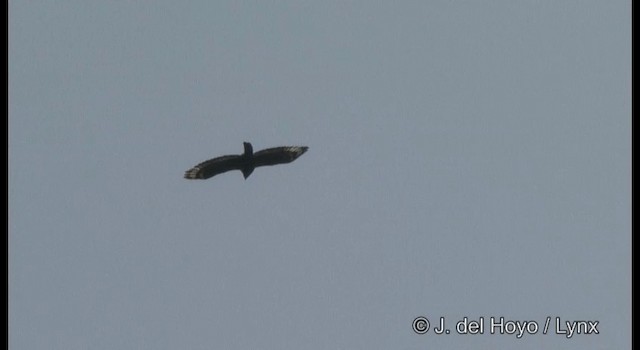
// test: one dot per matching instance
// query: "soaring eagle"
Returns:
(245, 162)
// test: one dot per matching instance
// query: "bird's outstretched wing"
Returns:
(214, 166)
(278, 155)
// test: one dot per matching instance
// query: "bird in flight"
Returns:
(245, 162)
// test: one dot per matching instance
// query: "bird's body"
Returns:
(245, 162)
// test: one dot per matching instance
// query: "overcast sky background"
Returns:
(465, 158)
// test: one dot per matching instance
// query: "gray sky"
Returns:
(465, 158)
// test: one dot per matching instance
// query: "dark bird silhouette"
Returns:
(245, 162)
